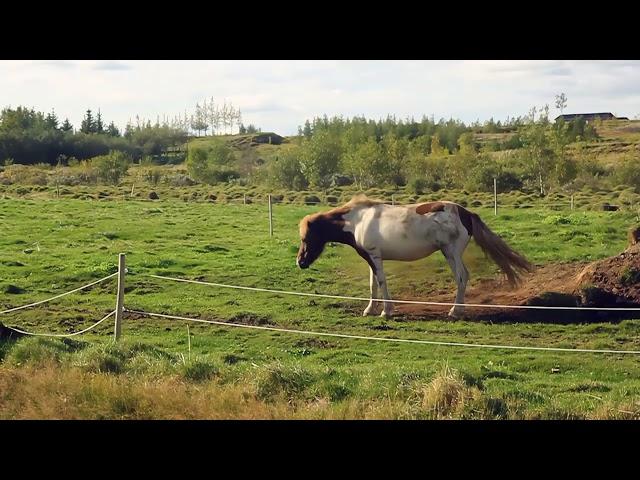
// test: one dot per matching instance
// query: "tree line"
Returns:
(30, 137)
(429, 155)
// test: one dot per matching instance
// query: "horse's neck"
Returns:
(334, 227)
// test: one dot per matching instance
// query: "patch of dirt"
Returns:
(250, 319)
(314, 343)
(612, 282)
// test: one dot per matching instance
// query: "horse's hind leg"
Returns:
(387, 307)
(372, 308)
(453, 254)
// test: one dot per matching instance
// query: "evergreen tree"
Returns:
(112, 130)
(88, 123)
(99, 125)
(66, 126)
(51, 121)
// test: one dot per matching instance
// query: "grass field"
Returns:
(51, 246)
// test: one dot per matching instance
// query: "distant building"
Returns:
(589, 116)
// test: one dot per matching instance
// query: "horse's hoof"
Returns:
(386, 314)
(455, 313)
(369, 312)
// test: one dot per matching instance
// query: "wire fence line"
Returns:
(63, 334)
(385, 339)
(302, 203)
(59, 296)
(413, 302)
(120, 309)
(263, 199)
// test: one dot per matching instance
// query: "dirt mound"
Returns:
(612, 282)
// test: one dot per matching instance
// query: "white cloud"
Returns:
(280, 95)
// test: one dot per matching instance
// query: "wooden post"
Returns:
(244, 198)
(132, 187)
(189, 341)
(270, 218)
(393, 199)
(495, 196)
(571, 202)
(120, 296)
(57, 189)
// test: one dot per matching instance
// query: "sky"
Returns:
(279, 95)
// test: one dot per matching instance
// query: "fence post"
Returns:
(132, 187)
(120, 296)
(270, 218)
(571, 202)
(393, 200)
(495, 196)
(244, 198)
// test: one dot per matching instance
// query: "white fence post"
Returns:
(495, 196)
(571, 202)
(270, 218)
(189, 341)
(120, 296)
(393, 200)
(244, 198)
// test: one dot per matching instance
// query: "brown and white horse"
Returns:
(406, 232)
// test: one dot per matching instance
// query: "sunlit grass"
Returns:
(48, 247)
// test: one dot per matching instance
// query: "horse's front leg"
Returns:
(461, 276)
(387, 311)
(372, 308)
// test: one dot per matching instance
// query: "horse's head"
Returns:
(312, 240)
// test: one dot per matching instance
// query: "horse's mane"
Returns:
(361, 200)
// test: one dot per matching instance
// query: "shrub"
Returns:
(112, 167)
(180, 180)
(628, 172)
(286, 171)
(418, 185)
(211, 163)
(153, 175)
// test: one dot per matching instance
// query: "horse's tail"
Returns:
(512, 263)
